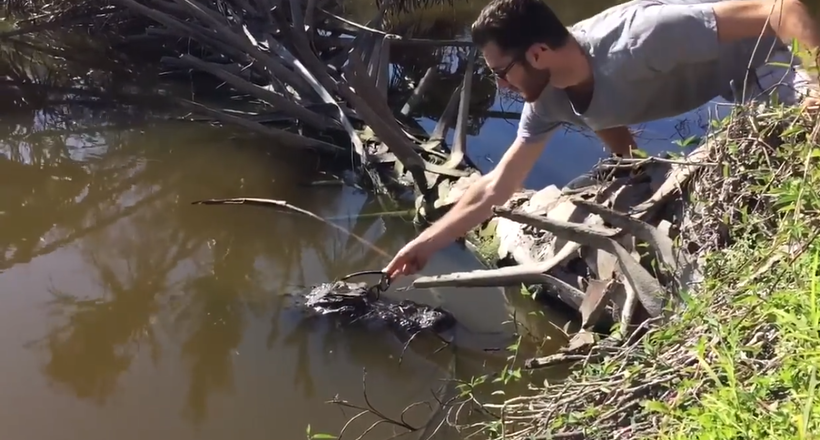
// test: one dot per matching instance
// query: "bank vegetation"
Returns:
(739, 359)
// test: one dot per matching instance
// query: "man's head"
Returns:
(525, 44)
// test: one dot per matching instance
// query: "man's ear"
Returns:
(536, 52)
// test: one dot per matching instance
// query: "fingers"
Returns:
(400, 266)
(396, 267)
(811, 103)
(410, 268)
(409, 260)
(403, 269)
(392, 269)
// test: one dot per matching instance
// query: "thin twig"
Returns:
(270, 203)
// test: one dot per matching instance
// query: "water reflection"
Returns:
(158, 280)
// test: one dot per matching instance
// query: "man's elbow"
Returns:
(792, 7)
(768, 9)
(508, 176)
(781, 12)
(785, 10)
(748, 18)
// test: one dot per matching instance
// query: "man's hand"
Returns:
(619, 140)
(410, 259)
(811, 103)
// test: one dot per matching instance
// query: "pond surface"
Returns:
(128, 313)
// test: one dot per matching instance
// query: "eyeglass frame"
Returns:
(502, 73)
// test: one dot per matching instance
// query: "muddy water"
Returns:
(129, 313)
(126, 312)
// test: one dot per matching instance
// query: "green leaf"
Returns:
(779, 64)
(638, 153)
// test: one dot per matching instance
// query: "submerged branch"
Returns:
(276, 100)
(287, 138)
(270, 203)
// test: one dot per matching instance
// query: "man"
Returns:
(637, 62)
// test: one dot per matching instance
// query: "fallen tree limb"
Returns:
(505, 276)
(662, 246)
(460, 142)
(277, 101)
(287, 138)
(645, 285)
(425, 84)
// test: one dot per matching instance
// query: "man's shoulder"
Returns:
(621, 32)
(612, 18)
(610, 32)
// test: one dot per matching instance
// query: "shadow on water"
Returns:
(128, 312)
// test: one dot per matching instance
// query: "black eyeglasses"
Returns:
(502, 73)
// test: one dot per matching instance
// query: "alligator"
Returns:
(361, 303)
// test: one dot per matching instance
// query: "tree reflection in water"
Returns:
(157, 259)
(168, 259)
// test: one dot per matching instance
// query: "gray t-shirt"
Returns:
(651, 59)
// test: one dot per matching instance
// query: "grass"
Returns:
(741, 359)
(485, 242)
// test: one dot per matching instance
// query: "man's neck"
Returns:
(580, 66)
(580, 70)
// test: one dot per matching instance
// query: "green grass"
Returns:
(757, 357)
(740, 360)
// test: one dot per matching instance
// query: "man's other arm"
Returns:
(787, 19)
(494, 188)
(619, 140)
(697, 29)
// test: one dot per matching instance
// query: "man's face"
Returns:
(527, 73)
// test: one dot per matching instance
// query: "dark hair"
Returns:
(515, 25)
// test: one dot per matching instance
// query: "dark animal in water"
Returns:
(358, 302)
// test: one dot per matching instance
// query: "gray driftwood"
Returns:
(617, 237)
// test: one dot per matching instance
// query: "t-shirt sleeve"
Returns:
(664, 36)
(533, 125)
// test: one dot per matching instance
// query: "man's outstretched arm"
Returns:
(494, 188)
(473, 207)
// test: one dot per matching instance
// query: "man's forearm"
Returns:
(495, 188)
(474, 207)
